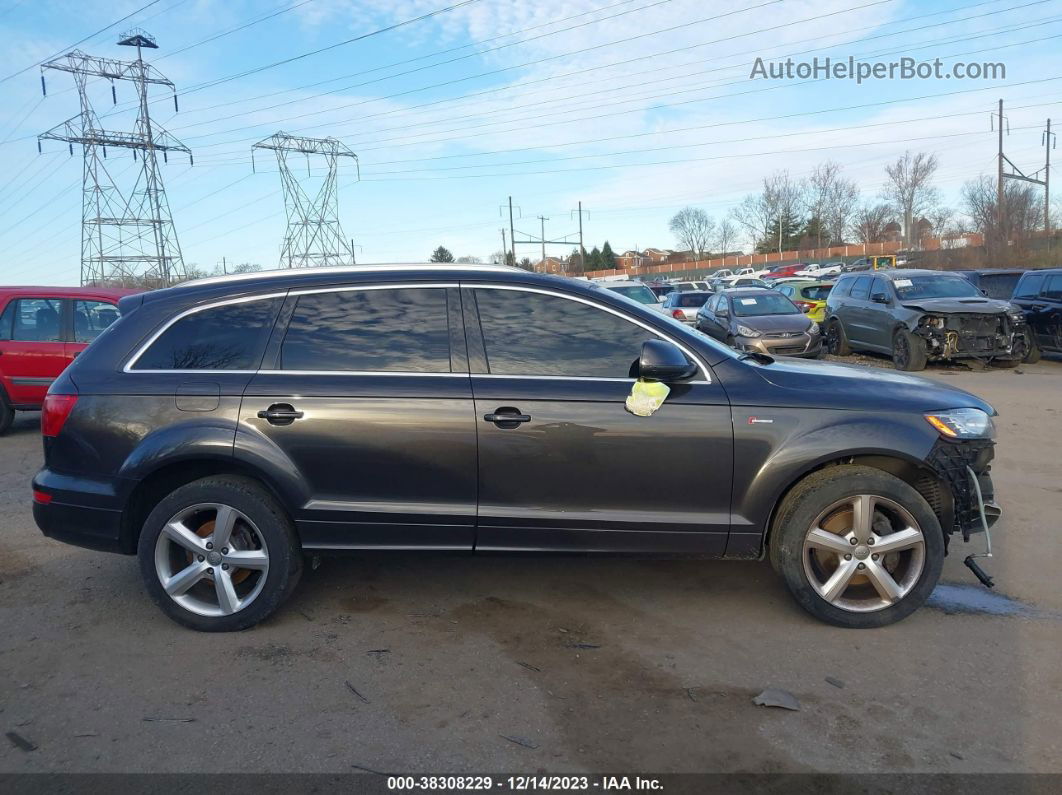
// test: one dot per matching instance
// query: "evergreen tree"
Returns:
(442, 254)
(593, 260)
(608, 258)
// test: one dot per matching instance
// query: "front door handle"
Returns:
(507, 417)
(280, 414)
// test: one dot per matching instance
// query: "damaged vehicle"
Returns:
(224, 430)
(918, 316)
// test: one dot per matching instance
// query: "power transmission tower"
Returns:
(125, 239)
(314, 236)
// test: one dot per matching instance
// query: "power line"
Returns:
(236, 29)
(80, 41)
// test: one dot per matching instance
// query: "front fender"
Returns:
(770, 456)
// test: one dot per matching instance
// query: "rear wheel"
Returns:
(908, 351)
(857, 547)
(219, 554)
(836, 340)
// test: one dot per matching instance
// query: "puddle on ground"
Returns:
(978, 599)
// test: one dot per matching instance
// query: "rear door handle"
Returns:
(507, 417)
(280, 414)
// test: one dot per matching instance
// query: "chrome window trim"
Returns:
(403, 373)
(128, 368)
(579, 299)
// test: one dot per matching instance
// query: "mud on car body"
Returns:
(919, 316)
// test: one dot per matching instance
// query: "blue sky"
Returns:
(637, 108)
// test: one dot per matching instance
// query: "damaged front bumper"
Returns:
(973, 336)
(953, 461)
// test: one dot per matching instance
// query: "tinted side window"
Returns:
(1053, 288)
(535, 334)
(861, 288)
(401, 330)
(1029, 286)
(230, 337)
(37, 319)
(999, 285)
(877, 285)
(91, 318)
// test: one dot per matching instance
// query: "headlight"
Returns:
(745, 331)
(962, 424)
(934, 322)
(1016, 317)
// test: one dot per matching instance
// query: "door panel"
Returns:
(34, 354)
(387, 461)
(584, 473)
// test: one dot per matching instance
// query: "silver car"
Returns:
(684, 306)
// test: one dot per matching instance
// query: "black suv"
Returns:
(1039, 294)
(221, 429)
(919, 316)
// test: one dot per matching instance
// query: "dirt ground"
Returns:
(461, 664)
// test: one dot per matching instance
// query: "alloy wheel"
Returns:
(833, 341)
(901, 351)
(211, 559)
(864, 553)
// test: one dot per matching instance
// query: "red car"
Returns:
(782, 271)
(42, 329)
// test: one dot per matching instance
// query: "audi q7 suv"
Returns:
(222, 429)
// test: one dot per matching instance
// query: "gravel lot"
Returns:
(460, 664)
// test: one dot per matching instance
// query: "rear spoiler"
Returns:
(128, 303)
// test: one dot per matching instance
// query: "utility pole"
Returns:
(125, 239)
(314, 236)
(1049, 143)
(999, 178)
(505, 246)
(543, 219)
(225, 266)
(582, 249)
(512, 229)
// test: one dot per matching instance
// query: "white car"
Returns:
(636, 291)
(817, 271)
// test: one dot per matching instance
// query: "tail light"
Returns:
(678, 314)
(804, 306)
(54, 413)
(41, 497)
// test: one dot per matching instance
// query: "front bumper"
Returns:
(962, 336)
(86, 512)
(950, 460)
(802, 344)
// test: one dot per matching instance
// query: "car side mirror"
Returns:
(663, 361)
(879, 298)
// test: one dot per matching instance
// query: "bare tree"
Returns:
(941, 220)
(725, 235)
(870, 222)
(754, 215)
(468, 259)
(693, 228)
(908, 188)
(1023, 212)
(821, 186)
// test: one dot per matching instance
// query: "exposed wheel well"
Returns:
(152, 489)
(921, 478)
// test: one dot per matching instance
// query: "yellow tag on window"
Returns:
(646, 397)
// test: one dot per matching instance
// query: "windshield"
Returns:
(916, 287)
(636, 292)
(690, 300)
(770, 303)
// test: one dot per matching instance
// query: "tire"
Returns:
(908, 351)
(836, 339)
(1033, 354)
(261, 534)
(7, 416)
(1004, 364)
(804, 562)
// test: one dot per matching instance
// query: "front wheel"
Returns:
(857, 547)
(219, 554)
(908, 351)
(1032, 351)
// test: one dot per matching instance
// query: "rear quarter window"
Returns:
(227, 337)
(1029, 285)
(999, 285)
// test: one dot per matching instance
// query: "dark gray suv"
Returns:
(222, 429)
(917, 316)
